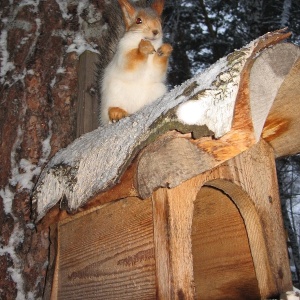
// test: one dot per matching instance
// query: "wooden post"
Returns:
(88, 107)
(173, 215)
(161, 245)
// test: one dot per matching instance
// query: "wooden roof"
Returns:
(254, 92)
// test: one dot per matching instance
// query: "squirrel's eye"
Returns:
(138, 21)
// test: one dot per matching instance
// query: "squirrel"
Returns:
(136, 73)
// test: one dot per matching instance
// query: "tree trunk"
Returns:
(38, 87)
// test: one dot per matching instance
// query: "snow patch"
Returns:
(46, 150)
(60, 70)
(214, 107)
(63, 6)
(6, 65)
(16, 238)
(80, 45)
(26, 174)
(7, 196)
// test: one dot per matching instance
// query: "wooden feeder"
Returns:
(209, 225)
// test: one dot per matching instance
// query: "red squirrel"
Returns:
(137, 72)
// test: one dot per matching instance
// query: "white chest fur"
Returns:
(131, 89)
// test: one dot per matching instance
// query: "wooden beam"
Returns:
(176, 282)
(162, 248)
(87, 102)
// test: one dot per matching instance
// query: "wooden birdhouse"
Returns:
(180, 201)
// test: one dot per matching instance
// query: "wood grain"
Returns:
(108, 253)
(281, 129)
(250, 180)
(269, 71)
(222, 260)
(168, 162)
(175, 235)
(162, 247)
(87, 102)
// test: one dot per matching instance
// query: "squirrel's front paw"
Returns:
(165, 50)
(116, 113)
(146, 47)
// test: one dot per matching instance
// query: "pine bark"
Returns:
(38, 88)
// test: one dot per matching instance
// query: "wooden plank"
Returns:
(108, 253)
(178, 206)
(162, 249)
(222, 261)
(87, 102)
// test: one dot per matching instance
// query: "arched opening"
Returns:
(222, 259)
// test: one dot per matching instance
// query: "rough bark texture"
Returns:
(38, 88)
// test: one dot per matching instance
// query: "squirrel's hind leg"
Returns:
(116, 113)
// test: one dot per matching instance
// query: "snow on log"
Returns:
(214, 104)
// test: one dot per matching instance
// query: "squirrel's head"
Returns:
(145, 22)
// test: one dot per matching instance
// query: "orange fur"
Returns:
(136, 57)
(128, 12)
(116, 113)
(162, 55)
(158, 6)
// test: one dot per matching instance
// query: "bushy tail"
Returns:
(114, 29)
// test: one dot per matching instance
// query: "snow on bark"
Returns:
(38, 79)
(6, 65)
(96, 160)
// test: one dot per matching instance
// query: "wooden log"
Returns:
(95, 162)
(270, 70)
(168, 162)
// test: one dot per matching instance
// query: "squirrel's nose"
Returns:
(155, 32)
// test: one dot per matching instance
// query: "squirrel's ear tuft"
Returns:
(128, 12)
(158, 6)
